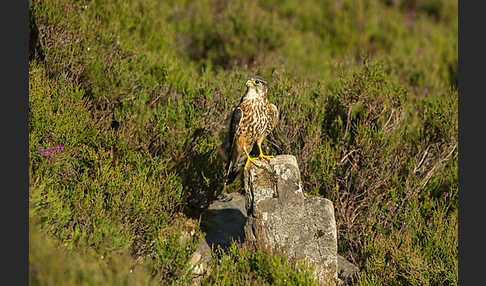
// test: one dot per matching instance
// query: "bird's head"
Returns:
(256, 87)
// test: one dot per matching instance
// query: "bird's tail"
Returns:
(234, 164)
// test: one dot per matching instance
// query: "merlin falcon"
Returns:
(252, 120)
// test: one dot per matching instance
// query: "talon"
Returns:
(266, 157)
(250, 159)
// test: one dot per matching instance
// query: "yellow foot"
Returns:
(250, 159)
(266, 157)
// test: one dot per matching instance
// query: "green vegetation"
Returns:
(137, 93)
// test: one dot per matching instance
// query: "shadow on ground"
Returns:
(222, 227)
(224, 221)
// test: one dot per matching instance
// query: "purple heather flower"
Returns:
(446, 194)
(426, 90)
(70, 235)
(40, 149)
(62, 148)
(46, 153)
(73, 223)
(410, 18)
(58, 147)
(392, 208)
(382, 217)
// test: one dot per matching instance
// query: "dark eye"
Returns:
(257, 81)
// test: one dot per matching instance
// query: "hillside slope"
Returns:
(128, 113)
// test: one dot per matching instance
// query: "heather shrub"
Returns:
(129, 105)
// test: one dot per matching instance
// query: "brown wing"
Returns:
(235, 121)
(235, 153)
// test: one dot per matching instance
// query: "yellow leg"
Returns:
(250, 159)
(261, 153)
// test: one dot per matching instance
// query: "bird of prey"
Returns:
(252, 120)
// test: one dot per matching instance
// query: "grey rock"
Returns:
(200, 259)
(281, 216)
(346, 271)
(224, 220)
